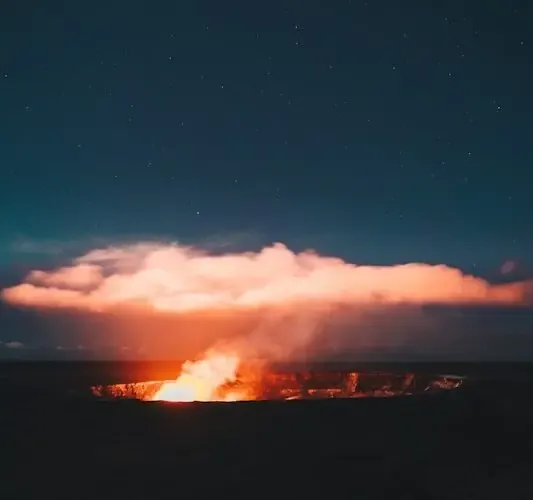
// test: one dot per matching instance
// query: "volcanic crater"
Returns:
(276, 384)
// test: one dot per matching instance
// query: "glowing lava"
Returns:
(203, 380)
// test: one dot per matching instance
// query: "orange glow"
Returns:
(256, 382)
(203, 381)
(168, 299)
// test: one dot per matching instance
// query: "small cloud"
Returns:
(79, 347)
(54, 247)
(14, 344)
(227, 241)
(508, 267)
(36, 247)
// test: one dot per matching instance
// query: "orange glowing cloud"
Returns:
(175, 279)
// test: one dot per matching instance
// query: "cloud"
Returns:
(68, 247)
(45, 247)
(508, 267)
(79, 277)
(76, 348)
(14, 344)
(173, 278)
(289, 295)
(232, 241)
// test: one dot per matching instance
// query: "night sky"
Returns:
(381, 132)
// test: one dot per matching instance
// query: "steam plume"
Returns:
(168, 278)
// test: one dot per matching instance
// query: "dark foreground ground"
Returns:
(474, 443)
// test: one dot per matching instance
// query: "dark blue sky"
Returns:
(379, 131)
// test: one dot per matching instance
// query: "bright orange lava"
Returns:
(202, 380)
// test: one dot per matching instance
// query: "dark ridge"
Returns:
(470, 443)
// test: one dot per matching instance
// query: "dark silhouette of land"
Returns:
(475, 442)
